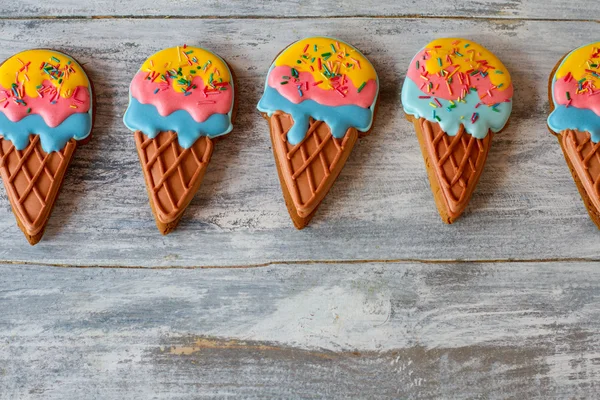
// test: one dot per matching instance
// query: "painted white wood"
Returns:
(525, 207)
(498, 9)
(396, 330)
(304, 329)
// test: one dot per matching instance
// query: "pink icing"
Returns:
(589, 99)
(53, 114)
(327, 97)
(199, 104)
(480, 83)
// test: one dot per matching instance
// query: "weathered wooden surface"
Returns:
(505, 9)
(400, 330)
(382, 318)
(525, 207)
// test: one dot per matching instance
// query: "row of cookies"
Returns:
(320, 96)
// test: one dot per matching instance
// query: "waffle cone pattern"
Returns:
(454, 165)
(308, 170)
(583, 158)
(172, 174)
(32, 179)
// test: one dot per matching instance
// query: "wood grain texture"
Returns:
(297, 328)
(525, 207)
(399, 330)
(503, 9)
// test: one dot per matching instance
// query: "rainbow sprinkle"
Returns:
(333, 65)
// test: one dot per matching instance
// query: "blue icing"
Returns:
(77, 126)
(145, 118)
(339, 119)
(580, 119)
(450, 121)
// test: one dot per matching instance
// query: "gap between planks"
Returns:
(308, 262)
(295, 17)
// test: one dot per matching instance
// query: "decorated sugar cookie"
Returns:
(179, 101)
(320, 95)
(457, 94)
(575, 119)
(46, 109)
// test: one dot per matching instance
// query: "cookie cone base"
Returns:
(307, 170)
(454, 165)
(33, 179)
(581, 157)
(33, 239)
(299, 222)
(172, 174)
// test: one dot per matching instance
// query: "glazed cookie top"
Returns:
(185, 89)
(47, 93)
(325, 79)
(456, 82)
(575, 90)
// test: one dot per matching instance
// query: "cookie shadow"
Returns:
(529, 102)
(74, 188)
(225, 163)
(382, 138)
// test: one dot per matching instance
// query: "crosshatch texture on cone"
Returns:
(454, 165)
(583, 157)
(32, 179)
(309, 168)
(172, 173)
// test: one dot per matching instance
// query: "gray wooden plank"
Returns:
(398, 330)
(504, 9)
(526, 205)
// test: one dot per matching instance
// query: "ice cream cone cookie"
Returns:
(179, 101)
(46, 109)
(457, 94)
(319, 97)
(574, 90)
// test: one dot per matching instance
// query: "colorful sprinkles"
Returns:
(461, 63)
(53, 71)
(332, 62)
(590, 83)
(173, 75)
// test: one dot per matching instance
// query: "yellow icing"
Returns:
(301, 57)
(577, 61)
(193, 62)
(471, 54)
(31, 77)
